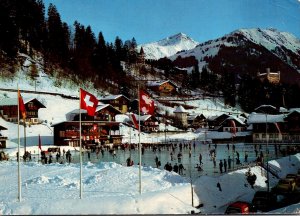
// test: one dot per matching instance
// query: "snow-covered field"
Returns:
(110, 188)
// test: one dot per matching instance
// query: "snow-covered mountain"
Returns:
(168, 46)
(264, 48)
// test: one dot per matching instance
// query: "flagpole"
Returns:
(19, 171)
(140, 155)
(80, 145)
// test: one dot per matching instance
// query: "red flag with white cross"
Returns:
(88, 102)
(146, 103)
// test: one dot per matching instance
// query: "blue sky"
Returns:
(202, 20)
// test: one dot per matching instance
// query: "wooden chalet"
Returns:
(2, 138)
(163, 88)
(119, 102)
(149, 123)
(9, 109)
(292, 125)
(227, 125)
(268, 127)
(215, 121)
(104, 112)
(197, 121)
(94, 133)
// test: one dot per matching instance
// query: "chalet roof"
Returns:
(194, 116)
(265, 108)
(113, 97)
(2, 128)
(234, 118)
(14, 101)
(71, 114)
(295, 110)
(159, 83)
(103, 106)
(180, 109)
(262, 118)
(142, 118)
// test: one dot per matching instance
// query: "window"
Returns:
(264, 136)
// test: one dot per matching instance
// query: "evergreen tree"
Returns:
(228, 87)
(58, 44)
(195, 77)
(9, 33)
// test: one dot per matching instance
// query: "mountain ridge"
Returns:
(168, 46)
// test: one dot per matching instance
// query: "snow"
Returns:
(108, 187)
(271, 39)
(168, 46)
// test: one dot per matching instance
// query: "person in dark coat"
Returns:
(229, 162)
(221, 166)
(225, 165)
(175, 168)
(180, 169)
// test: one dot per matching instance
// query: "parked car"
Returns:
(296, 177)
(239, 207)
(284, 186)
(264, 201)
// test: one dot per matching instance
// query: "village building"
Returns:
(232, 124)
(3, 139)
(215, 121)
(141, 57)
(119, 102)
(272, 77)
(181, 117)
(163, 88)
(9, 110)
(94, 133)
(96, 130)
(267, 127)
(197, 121)
(148, 123)
(231, 129)
(292, 125)
(104, 112)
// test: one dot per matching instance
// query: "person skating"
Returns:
(221, 166)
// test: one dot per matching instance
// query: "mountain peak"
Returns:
(168, 46)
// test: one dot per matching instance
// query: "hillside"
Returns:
(249, 51)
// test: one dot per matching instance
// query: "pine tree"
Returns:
(228, 87)
(58, 43)
(195, 79)
(9, 32)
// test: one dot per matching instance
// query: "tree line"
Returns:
(25, 28)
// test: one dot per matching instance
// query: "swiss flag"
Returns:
(88, 102)
(146, 103)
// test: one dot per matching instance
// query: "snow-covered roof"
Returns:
(180, 109)
(142, 117)
(159, 83)
(14, 101)
(263, 118)
(234, 118)
(113, 97)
